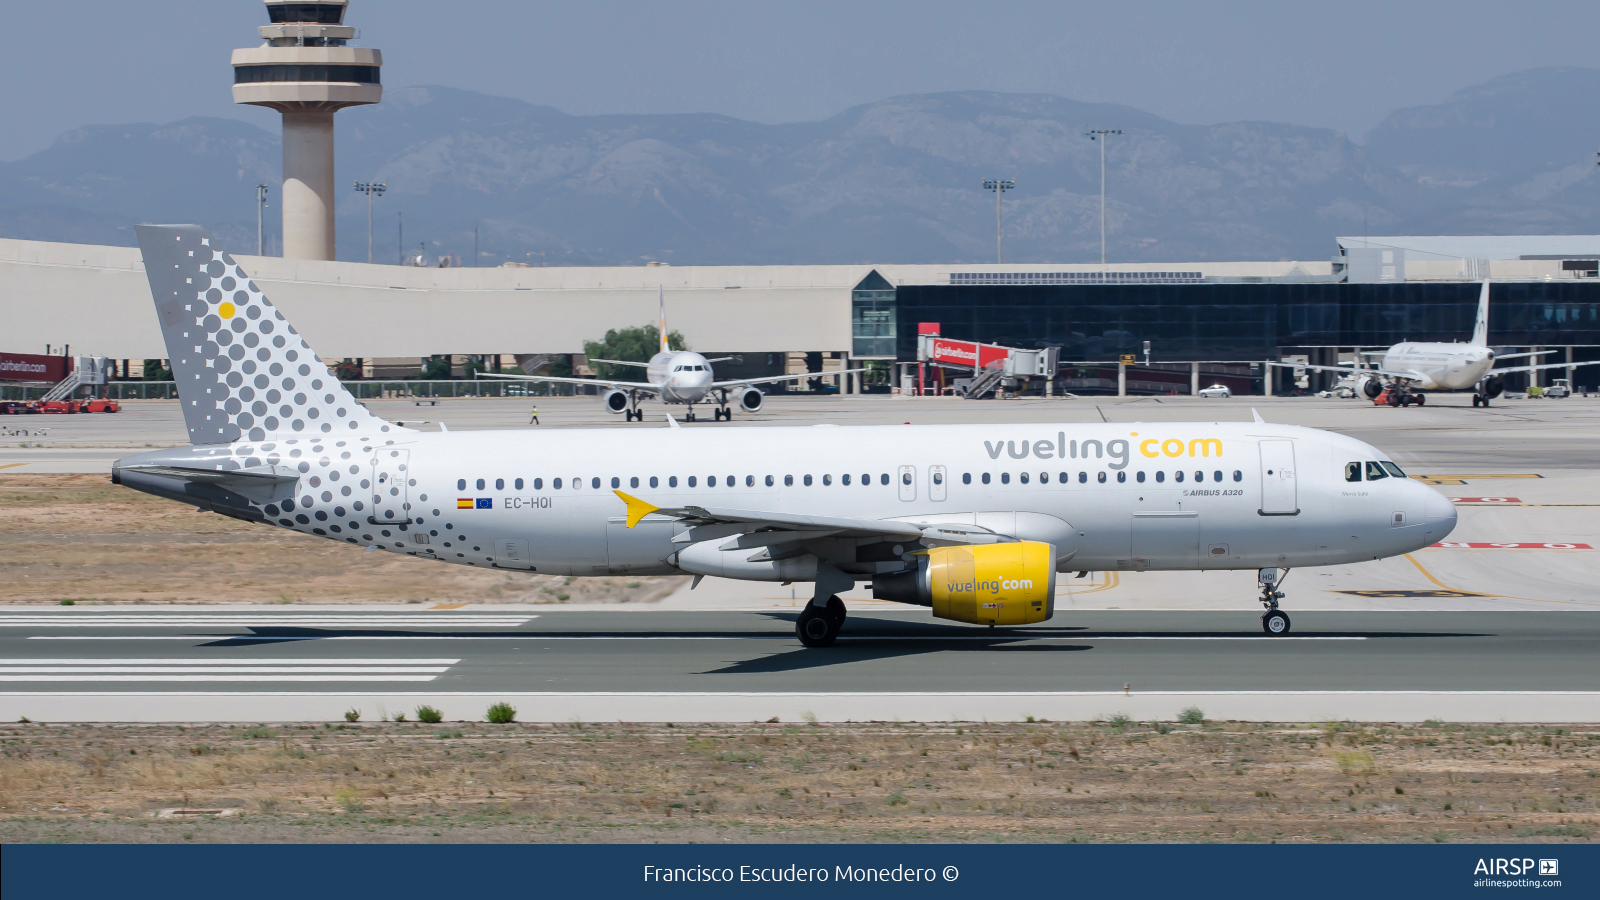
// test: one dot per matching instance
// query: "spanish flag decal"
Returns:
(463, 503)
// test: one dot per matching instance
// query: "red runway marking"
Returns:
(1484, 500)
(1512, 545)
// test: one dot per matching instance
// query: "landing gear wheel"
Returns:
(1394, 399)
(1477, 400)
(815, 627)
(689, 416)
(1275, 623)
(1422, 399)
(836, 611)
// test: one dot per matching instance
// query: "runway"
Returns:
(651, 665)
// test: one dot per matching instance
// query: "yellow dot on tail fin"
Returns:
(637, 509)
(225, 310)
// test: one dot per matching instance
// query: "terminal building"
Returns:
(389, 321)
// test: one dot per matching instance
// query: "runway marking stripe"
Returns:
(1509, 545)
(765, 694)
(252, 678)
(223, 670)
(1484, 500)
(228, 662)
(780, 636)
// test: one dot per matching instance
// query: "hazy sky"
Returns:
(1339, 65)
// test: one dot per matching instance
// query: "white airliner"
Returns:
(974, 521)
(675, 376)
(1411, 367)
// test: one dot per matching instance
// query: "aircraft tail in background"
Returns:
(1480, 327)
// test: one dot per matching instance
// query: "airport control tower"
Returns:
(306, 70)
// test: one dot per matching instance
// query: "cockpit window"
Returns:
(1352, 471)
(1375, 471)
(1393, 469)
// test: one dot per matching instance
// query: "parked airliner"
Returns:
(675, 376)
(1411, 367)
(973, 521)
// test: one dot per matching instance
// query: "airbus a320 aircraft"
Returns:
(1411, 367)
(675, 376)
(972, 521)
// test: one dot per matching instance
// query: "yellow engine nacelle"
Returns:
(985, 584)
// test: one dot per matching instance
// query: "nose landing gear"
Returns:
(1274, 621)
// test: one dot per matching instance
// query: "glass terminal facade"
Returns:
(1186, 322)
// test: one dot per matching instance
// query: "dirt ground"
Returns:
(81, 538)
(780, 782)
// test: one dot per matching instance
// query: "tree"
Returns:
(634, 344)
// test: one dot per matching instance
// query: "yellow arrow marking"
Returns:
(637, 509)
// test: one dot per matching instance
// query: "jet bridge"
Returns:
(989, 366)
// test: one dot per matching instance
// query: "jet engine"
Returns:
(1370, 386)
(750, 399)
(1493, 386)
(616, 401)
(985, 584)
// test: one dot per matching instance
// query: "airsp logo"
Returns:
(1549, 867)
(1515, 867)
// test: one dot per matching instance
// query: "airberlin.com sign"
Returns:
(32, 367)
(965, 353)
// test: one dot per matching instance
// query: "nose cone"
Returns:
(1438, 513)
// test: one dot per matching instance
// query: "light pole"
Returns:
(1100, 134)
(999, 188)
(371, 189)
(261, 204)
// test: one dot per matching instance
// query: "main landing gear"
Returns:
(722, 412)
(1274, 621)
(819, 626)
(1480, 400)
(633, 415)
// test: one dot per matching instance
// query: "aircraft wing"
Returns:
(1539, 368)
(625, 385)
(619, 362)
(1352, 370)
(751, 529)
(771, 378)
(1520, 355)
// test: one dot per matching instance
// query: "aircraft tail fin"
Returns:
(1480, 326)
(243, 372)
(661, 309)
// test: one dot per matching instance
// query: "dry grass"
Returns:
(775, 782)
(81, 538)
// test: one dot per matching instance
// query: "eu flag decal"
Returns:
(485, 503)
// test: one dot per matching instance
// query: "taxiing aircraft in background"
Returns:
(1412, 367)
(675, 376)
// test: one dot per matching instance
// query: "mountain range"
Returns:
(899, 180)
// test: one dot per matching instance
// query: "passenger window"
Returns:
(1237, 475)
(691, 481)
(732, 481)
(1160, 477)
(808, 481)
(1123, 477)
(555, 483)
(672, 481)
(1101, 477)
(461, 484)
(1005, 477)
(769, 481)
(1393, 469)
(499, 484)
(518, 484)
(595, 483)
(884, 479)
(788, 481)
(827, 480)
(480, 484)
(1375, 471)
(1044, 477)
(1177, 476)
(633, 482)
(938, 478)
(654, 481)
(866, 479)
(538, 484)
(1352, 471)
(1215, 476)
(711, 481)
(1140, 477)
(1083, 477)
(986, 478)
(966, 477)
(749, 481)
(1024, 477)
(843, 479)
(615, 482)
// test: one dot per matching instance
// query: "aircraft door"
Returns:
(391, 480)
(1279, 496)
(936, 482)
(908, 482)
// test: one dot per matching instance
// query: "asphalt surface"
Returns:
(589, 651)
